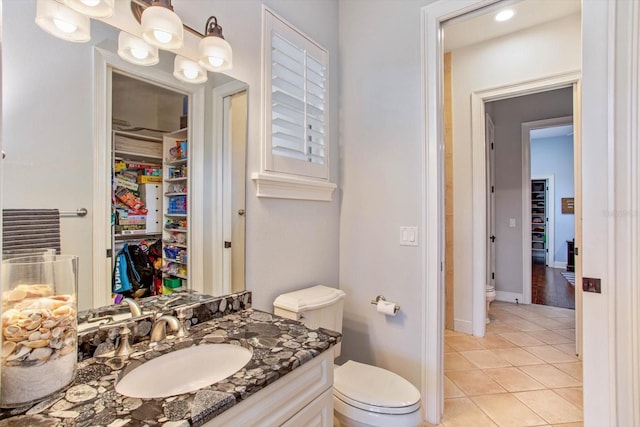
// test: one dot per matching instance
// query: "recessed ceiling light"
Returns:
(504, 15)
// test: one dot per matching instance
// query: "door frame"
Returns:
(219, 269)
(104, 62)
(527, 127)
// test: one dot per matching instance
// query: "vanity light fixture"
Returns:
(63, 22)
(188, 71)
(504, 15)
(136, 51)
(92, 8)
(161, 26)
(214, 52)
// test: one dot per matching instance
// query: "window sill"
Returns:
(278, 186)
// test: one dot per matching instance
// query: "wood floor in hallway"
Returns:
(548, 287)
(523, 373)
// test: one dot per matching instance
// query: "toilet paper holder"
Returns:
(379, 298)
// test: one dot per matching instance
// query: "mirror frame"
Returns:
(104, 63)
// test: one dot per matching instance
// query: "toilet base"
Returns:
(491, 296)
(345, 415)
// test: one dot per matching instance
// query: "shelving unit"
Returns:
(137, 152)
(539, 220)
(175, 231)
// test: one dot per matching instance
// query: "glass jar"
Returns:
(39, 327)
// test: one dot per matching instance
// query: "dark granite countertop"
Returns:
(279, 346)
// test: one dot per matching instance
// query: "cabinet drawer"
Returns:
(278, 402)
(318, 413)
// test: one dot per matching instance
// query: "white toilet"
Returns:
(363, 395)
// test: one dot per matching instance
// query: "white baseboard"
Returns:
(463, 326)
(560, 264)
(508, 296)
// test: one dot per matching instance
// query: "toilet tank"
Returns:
(317, 306)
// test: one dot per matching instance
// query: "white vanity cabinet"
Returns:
(303, 397)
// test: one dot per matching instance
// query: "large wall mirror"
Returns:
(151, 159)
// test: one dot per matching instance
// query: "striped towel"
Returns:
(26, 230)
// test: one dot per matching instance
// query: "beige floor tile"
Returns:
(550, 337)
(474, 383)
(550, 354)
(572, 368)
(572, 394)
(521, 339)
(498, 327)
(462, 412)
(525, 325)
(451, 390)
(485, 359)
(507, 411)
(550, 406)
(550, 376)
(566, 323)
(569, 333)
(513, 379)
(518, 356)
(495, 341)
(451, 333)
(448, 348)
(551, 324)
(466, 342)
(569, 348)
(568, 425)
(455, 362)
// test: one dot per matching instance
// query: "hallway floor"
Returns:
(548, 287)
(524, 372)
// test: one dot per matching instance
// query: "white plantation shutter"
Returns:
(296, 89)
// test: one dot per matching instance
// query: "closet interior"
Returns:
(150, 183)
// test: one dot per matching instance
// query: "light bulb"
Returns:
(162, 36)
(91, 3)
(64, 26)
(190, 73)
(139, 53)
(216, 62)
(504, 15)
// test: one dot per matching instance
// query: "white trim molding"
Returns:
(280, 186)
(560, 264)
(509, 297)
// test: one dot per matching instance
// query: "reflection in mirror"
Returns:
(51, 134)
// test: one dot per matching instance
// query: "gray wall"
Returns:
(508, 116)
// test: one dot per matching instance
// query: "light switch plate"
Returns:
(512, 223)
(408, 236)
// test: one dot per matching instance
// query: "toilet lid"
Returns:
(374, 389)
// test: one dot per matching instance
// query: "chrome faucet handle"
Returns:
(124, 347)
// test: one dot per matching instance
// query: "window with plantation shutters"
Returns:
(296, 107)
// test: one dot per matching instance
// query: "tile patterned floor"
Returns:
(524, 372)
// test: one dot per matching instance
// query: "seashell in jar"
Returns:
(49, 323)
(17, 294)
(66, 350)
(7, 348)
(13, 333)
(38, 291)
(65, 298)
(41, 354)
(34, 336)
(20, 354)
(64, 310)
(10, 316)
(57, 332)
(45, 334)
(55, 343)
(37, 343)
(31, 323)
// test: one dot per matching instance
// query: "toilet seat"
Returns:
(374, 389)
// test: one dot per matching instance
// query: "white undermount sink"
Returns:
(184, 370)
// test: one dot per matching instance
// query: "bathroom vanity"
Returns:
(287, 382)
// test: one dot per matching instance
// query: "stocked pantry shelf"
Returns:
(539, 233)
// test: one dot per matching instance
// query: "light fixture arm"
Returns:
(138, 6)
(212, 28)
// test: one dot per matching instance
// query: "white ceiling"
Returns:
(481, 26)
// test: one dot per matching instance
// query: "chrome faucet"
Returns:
(158, 331)
(133, 306)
